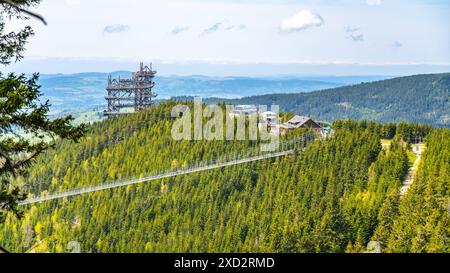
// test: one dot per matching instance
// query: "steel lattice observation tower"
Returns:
(131, 93)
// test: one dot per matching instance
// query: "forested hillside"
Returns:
(336, 196)
(421, 223)
(420, 98)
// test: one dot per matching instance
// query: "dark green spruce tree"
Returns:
(25, 129)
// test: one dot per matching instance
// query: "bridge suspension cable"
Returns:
(204, 166)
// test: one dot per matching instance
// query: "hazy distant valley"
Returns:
(83, 92)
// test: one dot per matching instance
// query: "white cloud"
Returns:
(224, 25)
(214, 28)
(115, 29)
(236, 27)
(301, 21)
(356, 37)
(178, 29)
(373, 2)
(354, 34)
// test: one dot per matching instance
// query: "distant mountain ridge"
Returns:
(419, 98)
(85, 91)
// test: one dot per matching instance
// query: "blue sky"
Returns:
(187, 36)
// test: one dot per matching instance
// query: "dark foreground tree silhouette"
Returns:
(25, 129)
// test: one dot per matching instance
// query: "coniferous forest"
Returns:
(337, 195)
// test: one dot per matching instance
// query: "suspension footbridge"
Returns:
(288, 148)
